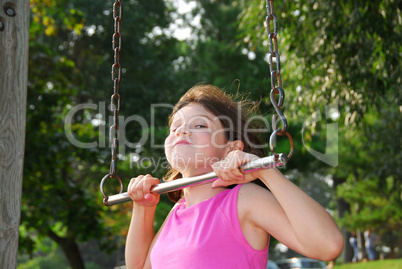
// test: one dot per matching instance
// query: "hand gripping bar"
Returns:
(181, 183)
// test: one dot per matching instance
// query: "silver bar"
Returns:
(178, 184)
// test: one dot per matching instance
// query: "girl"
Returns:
(227, 223)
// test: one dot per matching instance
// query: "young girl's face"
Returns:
(196, 140)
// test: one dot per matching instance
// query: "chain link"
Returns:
(276, 81)
(114, 131)
(276, 89)
(115, 101)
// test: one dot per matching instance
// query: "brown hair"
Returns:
(232, 115)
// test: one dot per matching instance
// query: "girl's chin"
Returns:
(191, 162)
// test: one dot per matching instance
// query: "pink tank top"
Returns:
(206, 236)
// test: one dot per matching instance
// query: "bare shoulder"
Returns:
(251, 190)
(253, 196)
(258, 208)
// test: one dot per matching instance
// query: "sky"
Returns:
(180, 31)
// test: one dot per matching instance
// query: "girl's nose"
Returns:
(183, 129)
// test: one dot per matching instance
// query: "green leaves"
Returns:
(69, 64)
(344, 53)
(373, 207)
(340, 54)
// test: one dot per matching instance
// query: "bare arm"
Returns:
(141, 233)
(140, 236)
(292, 217)
(287, 213)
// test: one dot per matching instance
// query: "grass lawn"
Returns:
(385, 264)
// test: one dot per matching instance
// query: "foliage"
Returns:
(340, 67)
(373, 184)
(372, 209)
(52, 258)
(345, 54)
(50, 94)
(213, 56)
(69, 64)
(386, 264)
(333, 50)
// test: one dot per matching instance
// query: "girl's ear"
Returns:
(235, 145)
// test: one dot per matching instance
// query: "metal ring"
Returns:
(103, 181)
(271, 144)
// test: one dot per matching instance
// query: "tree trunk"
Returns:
(348, 252)
(14, 42)
(70, 249)
(343, 207)
(361, 246)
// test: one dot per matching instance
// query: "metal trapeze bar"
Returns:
(181, 183)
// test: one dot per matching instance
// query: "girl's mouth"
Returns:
(181, 142)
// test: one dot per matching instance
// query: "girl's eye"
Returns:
(199, 126)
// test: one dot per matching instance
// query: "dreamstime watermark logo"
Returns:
(148, 136)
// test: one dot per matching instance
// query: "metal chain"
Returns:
(276, 81)
(115, 101)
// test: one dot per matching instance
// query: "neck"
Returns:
(200, 193)
(193, 172)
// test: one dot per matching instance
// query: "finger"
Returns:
(225, 171)
(149, 182)
(149, 197)
(138, 189)
(218, 183)
(132, 183)
(241, 158)
(232, 170)
(224, 183)
(231, 174)
(131, 187)
(144, 186)
(237, 173)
